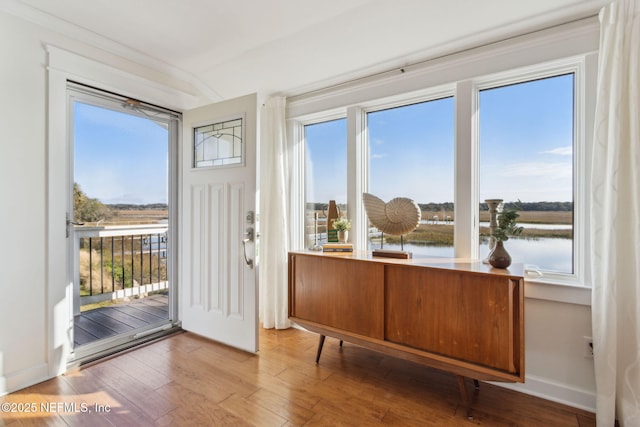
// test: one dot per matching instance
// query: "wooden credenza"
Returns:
(459, 316)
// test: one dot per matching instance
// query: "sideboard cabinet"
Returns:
(460, 316)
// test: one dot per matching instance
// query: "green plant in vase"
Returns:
(507, 226)
(342, 225)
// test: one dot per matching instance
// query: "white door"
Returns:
(218, 278)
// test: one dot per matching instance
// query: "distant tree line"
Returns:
(449, 206)
(87, 209)
(436, 207)
(536, 206)
(132, 207)
(521, 206)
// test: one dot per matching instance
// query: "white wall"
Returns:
(555, 365)
(22, 215)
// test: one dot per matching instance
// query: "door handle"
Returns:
(247, 239)
(244, 250)
(71, 222)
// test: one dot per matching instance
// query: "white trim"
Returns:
(18, 380)
(553, 391)
(466, 238)
(357, 154)
(132, 292)
(59, 295)
(576, 67)
(295, 142)
(93, 73)
(570, 293)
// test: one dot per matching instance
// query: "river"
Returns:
(546, 253)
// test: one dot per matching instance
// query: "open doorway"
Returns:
(121, 223)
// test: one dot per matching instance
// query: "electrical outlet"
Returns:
(588, 347)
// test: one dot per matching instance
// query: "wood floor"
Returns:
(108, 321)
(187, 380)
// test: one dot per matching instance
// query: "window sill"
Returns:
(557, 291)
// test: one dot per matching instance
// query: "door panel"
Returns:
(219, 292)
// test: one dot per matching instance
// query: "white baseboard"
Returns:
(25, 378)
(555, 392)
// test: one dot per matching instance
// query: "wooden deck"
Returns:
(105, 322)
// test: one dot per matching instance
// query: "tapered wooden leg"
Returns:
(465, 396)
(320, 344)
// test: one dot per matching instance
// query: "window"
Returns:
(411, 155)
(218, 144)
(450, 137)
(325, 175)
(526, 147)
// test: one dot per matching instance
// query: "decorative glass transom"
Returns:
(218, 144)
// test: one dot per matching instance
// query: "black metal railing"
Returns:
(116, 261)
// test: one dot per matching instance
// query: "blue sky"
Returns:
(120, 158)
(526, 137)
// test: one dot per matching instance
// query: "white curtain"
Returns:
(273, 216)
(615, 216)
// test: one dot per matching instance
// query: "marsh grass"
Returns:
(441, 234)
(92, 274)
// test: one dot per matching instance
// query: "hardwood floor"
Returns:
(187, 380)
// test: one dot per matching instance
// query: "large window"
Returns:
(325, 176)
(454, 138)
(526, 148)
(411, 155)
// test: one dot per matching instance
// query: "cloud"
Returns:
(378, 156)
(560, 151)
(539, 169)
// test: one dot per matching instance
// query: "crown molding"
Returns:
(90, 38)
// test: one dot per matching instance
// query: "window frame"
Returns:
(566, 48)
(323, 118)
(297, 145)
(231, 118)
(575, 66)
(426, 95)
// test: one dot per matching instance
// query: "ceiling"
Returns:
(228, 48)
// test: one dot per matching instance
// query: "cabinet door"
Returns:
(340, 293)
(471, 317)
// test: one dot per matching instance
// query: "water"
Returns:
(539, 226)
(546, 253)
(521, 224)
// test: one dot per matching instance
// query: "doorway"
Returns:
(120, 222)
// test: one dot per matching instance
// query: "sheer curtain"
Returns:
(273, 216)
(615, 215)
